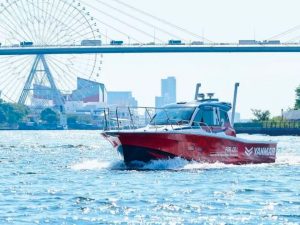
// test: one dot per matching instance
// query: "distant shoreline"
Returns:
(280, 128)
(244, 130)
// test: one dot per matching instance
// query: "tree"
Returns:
(2, 116)
(12, 113)
(297, 104)
(17, 113)
(49, 116)
(261, 115)
(84, 119)
(72, 119)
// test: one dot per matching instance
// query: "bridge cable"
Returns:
(163, 21)
(117, 30)
(122, 22)
(138, 19)
(285, 32)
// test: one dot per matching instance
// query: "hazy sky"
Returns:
(267, 81)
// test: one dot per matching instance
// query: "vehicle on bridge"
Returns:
(175, 42)
(114, 42)
(254, 42)
(150, 43)
(271, 42)
(91, 43)
(248, 42)
(197, 43)
(26, 43)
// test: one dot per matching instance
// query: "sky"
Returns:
(267, 81)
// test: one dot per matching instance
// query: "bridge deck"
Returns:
(148, 49)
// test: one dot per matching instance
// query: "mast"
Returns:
(234, 102)
(197, 91)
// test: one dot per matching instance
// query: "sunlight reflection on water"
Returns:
(75, 177)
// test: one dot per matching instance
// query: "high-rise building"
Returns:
(168, 92)
(121, 98)
(89, 91)
(159, 101)
(168, 89)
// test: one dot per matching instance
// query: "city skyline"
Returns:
(263, 76)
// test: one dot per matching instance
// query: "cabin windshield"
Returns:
(173, 116)
(210, 116)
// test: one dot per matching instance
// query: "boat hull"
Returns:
(146, 146)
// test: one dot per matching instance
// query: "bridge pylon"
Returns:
(40, 65)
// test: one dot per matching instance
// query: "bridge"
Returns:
(109, 49)
(45, 48)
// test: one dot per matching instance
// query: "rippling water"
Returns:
(75, 177)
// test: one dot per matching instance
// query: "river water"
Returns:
(75, 177)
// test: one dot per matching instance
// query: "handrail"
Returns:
(281, 124)
(117, 118)
(132, 121)
(272, 124)
(111, 123)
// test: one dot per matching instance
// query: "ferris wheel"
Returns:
(55, 23)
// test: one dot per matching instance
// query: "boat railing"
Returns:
(127, 118)
(130, 118)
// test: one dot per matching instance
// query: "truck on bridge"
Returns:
(91, 43)
(175, 42)
(114, 42)
(254, 42)
(271, 42)
(197, 43)
(26, 43)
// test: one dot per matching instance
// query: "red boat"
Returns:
(197, 131)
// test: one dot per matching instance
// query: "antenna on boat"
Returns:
(197, 91)
(210, 95)
(234, 102)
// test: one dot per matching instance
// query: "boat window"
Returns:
(224, 117)
(173, 116)
(210, 116)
